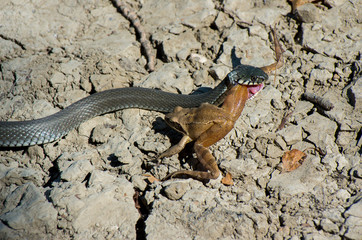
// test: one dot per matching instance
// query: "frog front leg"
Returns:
(176, 148)
(191, 122)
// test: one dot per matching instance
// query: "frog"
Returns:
(205, 126)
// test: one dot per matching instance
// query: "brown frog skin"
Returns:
(206, 125)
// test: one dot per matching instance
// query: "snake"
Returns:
(50, 128)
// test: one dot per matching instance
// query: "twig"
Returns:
(128, 13)
(322, 102)
(284, 120)
(278, 54)
(317, 149)
(234, 17)
(278, 49)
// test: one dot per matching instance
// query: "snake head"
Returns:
(247, 75)
(252, 77)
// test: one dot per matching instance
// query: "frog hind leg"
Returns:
(207, 160)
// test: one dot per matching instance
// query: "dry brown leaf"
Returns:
(151, 178)
(298, 3)
(227, 180)
(293, 159)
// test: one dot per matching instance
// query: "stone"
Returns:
(57, 79)
(85, 129)
(222, 21)
(104, 209)
(278, 104)
(239, 167)
(273, 151)
(279, 141)
(123, 153)
(200, 76)
(131, 119)
(192, 13)
(308, 13)
(36, 152)
(69, 67)
(342, 162)
(98, 208)
(315, 37)
(118, 44)
(330, 162)
(19, 176)
(354, 228)
(139, 182)
(356, 171)
(344, 138)
(100, 178)
(101, 82)
(328, 226)
(219, 72)
(101, 133)
(179, 45)
(301, 180)
(355, 94)
(291, 134)
(171, 78)
(317, 123)
(257, 30)
(183, 54)
(43, 108)
(209, 222)
(77, 171)
(355, 209)
(323, 141)
(243, 196)
(262, 102)
(244, 46)
(261, 221)
(334, 214)
(320, 76)
(341, 107)
(316, 236)
(258, 13)
(176, 190)
(324, 62)
(353, 224)
(27, 209)
(149, 145)
(301, 109)
(343, 194)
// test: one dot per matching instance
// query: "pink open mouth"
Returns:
(253, 90)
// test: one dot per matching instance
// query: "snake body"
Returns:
(50, 128)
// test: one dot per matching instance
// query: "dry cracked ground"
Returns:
(91, 185)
